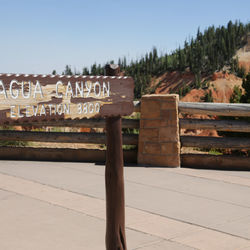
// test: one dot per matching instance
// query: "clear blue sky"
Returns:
(37, 36)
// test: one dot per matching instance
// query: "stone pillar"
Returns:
(159, 140)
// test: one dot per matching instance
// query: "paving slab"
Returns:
(186, 184)
(195, 194)
(208, 239)
(4, 195)
(138, 220)
(196, 210)
(176, 207)
(241, 178)
(81, 179)
(239, 227)
(28, 224)
(166, 245)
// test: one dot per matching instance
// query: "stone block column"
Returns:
(159, 140)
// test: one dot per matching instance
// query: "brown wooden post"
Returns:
(114, 180)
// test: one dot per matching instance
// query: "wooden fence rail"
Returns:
(219, 125)
(63, 137)
(81, 154)
(215, 142)
(213, 109)
(221, 109)
(238, 143)
(215, 161)
(81, 123)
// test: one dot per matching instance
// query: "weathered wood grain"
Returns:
(79, 123)
(53, 97)
(219, 125)
(63, 137)
(60, 154)
(114, 180)
(221, 109)
(215, 142)
(226, 162)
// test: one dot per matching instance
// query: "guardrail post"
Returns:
(114, 180)
(159, 139)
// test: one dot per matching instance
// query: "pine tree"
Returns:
(68, 70)
(93, 70)
(85, 71)
(236, 96)
(246, 85)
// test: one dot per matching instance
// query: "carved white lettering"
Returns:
(57, 94)
(50, 108)
(88, 87)
(3, 91)
(35, 110)
(79, 89)
(59, 109)
(43, 110)
(66, 108)
(97, 107)
(91, 108)
(106, 89)
(79, 108)
(28, 114)
(38, 90)
(19, 114)
(12, 111)
(14, 96)
(69, 90)
(85, 108)
(97, 85)
(23, 90)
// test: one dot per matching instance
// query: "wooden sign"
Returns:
(52, 97)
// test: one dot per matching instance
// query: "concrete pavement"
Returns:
(49, 205)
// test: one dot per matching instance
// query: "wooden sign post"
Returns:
(114, 180)
(34, 98)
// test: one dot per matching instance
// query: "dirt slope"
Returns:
(172, 81)
(244, 59)
(221, 86)
(243, 55)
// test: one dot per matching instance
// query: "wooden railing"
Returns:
(189, 160)
(219, 125)
(238, 143)
(63, 137)
(221, 109)
(52, 153)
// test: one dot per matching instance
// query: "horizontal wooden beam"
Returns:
(63, 137)
(219, 125)
(221, 109)
(215, 142)
(227, 162)
(80, 123)
(61, 154)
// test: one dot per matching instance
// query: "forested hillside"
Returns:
(211, 50)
